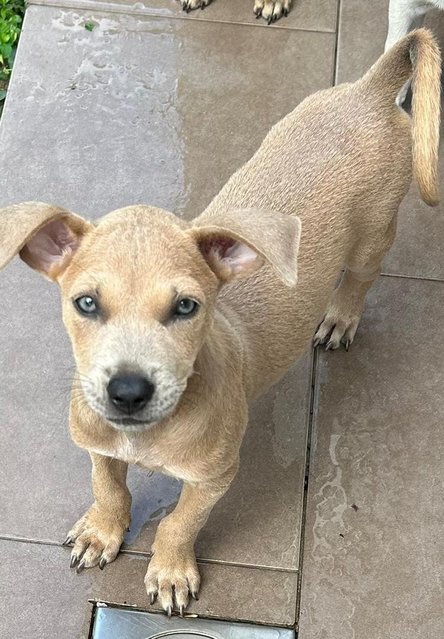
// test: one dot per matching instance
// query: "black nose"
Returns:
(129, 393)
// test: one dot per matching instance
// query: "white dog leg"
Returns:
(404, 16)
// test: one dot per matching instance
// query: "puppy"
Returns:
(270, 10)
(176, 327)
(405, 15)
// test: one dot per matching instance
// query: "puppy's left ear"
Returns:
(238, 243)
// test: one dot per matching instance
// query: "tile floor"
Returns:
(133, 112)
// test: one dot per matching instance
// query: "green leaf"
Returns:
(11, 17)
(6, 50)
(89, 26)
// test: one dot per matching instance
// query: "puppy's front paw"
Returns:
(97, 538)
(271, 10)
(189, 5)
(172, 577)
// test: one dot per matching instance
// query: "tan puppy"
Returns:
(171, 343)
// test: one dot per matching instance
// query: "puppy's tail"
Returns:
(416, 56)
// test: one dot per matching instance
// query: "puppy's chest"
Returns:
(131, 450)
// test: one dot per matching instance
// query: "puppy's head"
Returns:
(139, 290)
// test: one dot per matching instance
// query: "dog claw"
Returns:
(80, 567)
(169, 611)
(347, 345)
(152, 598)
(329, 346)
(316, 342)
(74, 561)
(68, 541)
(181, 608)
(195, 596)
(102, 563)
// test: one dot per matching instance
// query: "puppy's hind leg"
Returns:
(345, 307)
(344, 311)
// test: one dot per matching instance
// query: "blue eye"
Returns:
(86, 305)
(185, 307)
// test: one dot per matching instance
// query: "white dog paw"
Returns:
(271, 10)
(189, 5)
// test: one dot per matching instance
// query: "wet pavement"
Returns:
(333, 525)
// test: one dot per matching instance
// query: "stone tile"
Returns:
(373, 544)
(319, 16)
(102, 130)
(361, 37)
(362, 32)
(107, 128)
(42, 598)
(249, 594)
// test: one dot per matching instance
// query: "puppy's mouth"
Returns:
(127, 421)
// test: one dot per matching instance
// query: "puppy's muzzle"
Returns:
(129, 393)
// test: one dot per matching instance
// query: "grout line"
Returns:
(106, 7)
(313, 383)
(338, 29)
(25, 540)
(235, 564)
(141, 553)
(413, 277)
(223, 562)
(92, 621)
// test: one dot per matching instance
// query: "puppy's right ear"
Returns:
(45, 236)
